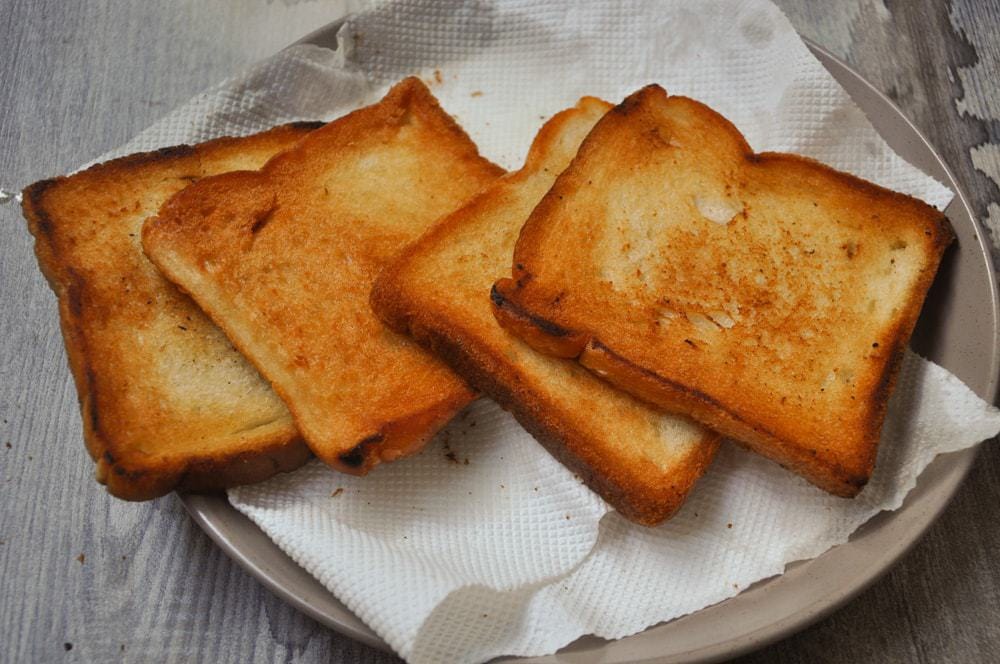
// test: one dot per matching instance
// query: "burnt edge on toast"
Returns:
(126, 477)
(596, 354)
(402, 436)
(414, 432)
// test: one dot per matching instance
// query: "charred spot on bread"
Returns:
(358, 454)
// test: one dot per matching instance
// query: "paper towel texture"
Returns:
(509, 553)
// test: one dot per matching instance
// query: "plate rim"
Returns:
(215, 516)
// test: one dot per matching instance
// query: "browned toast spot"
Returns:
(355, 457)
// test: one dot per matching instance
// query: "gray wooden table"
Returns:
(84, 577)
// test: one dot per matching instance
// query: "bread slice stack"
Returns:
(643, 286)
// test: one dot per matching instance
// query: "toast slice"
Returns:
(166, 401)
(641, 461)
(283, 260)
(765, 295)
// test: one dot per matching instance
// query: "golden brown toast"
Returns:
(283, 259)
(167, 402)
(765, 295)
(641, 461)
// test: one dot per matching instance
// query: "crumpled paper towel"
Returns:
(483, 545)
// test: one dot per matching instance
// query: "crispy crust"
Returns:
(127, 473)
(533, 313)
(133, 480)
(481, 353)
(292, 349)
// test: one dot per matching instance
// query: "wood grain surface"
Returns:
(87, 578)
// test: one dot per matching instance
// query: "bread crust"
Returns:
(49, 206)
(559, 314)
(282, 260)
(440, 300)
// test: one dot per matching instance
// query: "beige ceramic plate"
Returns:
(958, 329)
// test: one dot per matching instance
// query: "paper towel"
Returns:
(479, 508)
(509, 553)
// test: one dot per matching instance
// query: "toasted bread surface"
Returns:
(283, 259)
(640, 460)
(166, 401)
(766, 295)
